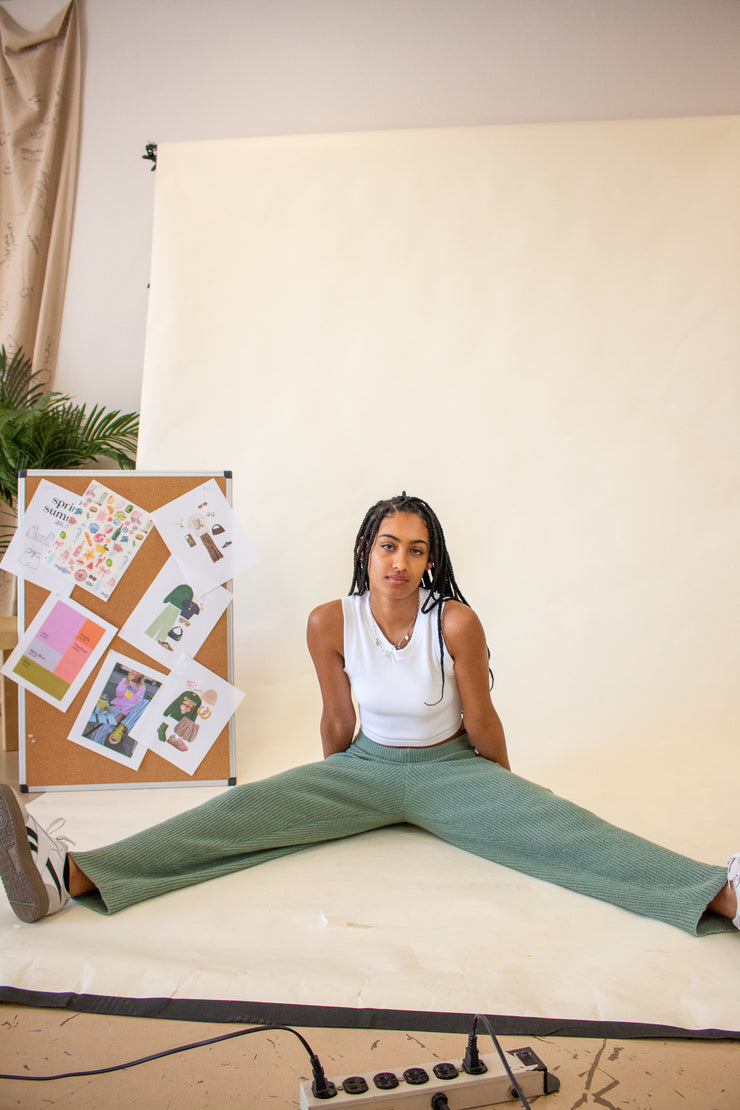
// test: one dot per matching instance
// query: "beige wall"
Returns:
(186, 70)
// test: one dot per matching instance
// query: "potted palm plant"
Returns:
(44, 430)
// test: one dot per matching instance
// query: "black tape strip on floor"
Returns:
(344, 1017)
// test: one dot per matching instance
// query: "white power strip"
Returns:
(412, 1088)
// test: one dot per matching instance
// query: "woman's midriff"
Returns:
(454, 736)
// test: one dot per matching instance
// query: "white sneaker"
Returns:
(31, 861)
(733, 878)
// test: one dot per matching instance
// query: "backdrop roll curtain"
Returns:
(39, 140)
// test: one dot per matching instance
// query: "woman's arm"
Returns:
(466, 643)
(326, 644)
(138, 695)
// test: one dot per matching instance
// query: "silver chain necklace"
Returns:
(380, 639)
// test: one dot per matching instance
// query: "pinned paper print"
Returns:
(187, 715)
(204, 537)
(120, 695)
(39, 525)
(171, 620)
(58, 651)
(96, 546)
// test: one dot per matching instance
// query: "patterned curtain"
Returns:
(39, 139)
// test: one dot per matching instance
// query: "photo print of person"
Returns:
(120, 695)
(187, 714)
(171, 620)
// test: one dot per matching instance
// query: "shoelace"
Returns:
(52, 830)
(733, 869)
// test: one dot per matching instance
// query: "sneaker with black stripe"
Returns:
(733, 879)
(32, 861)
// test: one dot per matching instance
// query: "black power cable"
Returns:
(439, 1101)
(471, 1057)
(322, 1088)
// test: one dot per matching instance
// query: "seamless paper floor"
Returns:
(392, 919)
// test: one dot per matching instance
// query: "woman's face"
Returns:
(399, 556)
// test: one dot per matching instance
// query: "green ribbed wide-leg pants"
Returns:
(449, 791)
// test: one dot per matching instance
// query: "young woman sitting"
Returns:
(430, 751)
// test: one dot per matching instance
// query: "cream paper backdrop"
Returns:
(536, 328)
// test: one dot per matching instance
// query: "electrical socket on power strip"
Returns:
(412, 1088)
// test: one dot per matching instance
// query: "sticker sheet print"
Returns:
(121, 693)
(187, 714)
(99, 541)
(171, 620)
(204, 537)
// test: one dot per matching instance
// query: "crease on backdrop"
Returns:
(535, 328)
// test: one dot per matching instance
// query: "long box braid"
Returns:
(440, 580)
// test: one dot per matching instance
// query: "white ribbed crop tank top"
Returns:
(398, 691)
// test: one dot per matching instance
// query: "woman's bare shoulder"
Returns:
(460, 623)
(326, 623)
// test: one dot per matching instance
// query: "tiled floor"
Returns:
(264, 1069)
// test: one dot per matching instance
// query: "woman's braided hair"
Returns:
(439, 580)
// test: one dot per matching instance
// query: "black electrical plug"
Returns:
(439, 1101)
(472, 1063)
(321, 1086)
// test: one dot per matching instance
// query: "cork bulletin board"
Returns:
(48, 760)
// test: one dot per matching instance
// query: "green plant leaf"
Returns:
(19, 386)
(44, 430)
